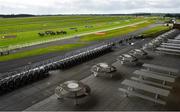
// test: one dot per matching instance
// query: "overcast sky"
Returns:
(88, 6)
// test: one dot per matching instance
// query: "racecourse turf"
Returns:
(87, 38)
(114, 33)
(155, 30)
(40, 51)
(26, 29)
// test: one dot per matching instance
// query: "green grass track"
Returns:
(40, 51)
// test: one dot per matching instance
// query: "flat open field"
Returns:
(21, 32)
(26, 30)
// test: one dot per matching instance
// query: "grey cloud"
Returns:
(89, 6)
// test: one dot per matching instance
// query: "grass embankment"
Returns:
(155, 31)
(114, 33)
(40, 51)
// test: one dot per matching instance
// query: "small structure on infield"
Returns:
(9, 36)
(100, 33)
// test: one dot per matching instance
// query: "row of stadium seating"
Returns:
(27, 76)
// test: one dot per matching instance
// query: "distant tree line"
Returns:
(177, 15)
(173, 15)
(15, 16)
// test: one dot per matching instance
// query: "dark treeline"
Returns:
(177, 15)
(173, 15)
(16, 15)
(29, 15)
